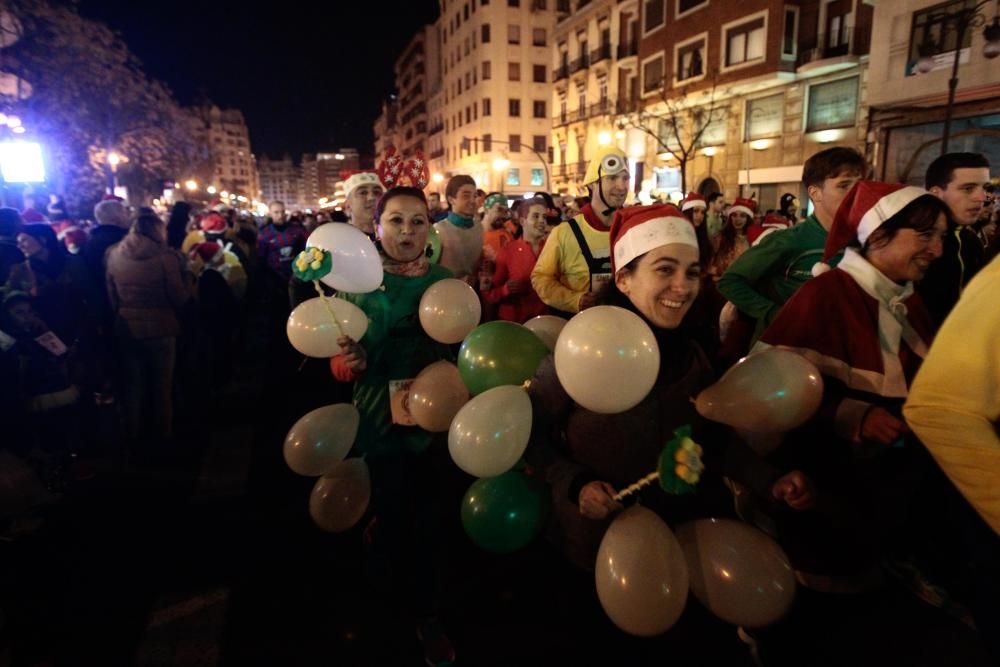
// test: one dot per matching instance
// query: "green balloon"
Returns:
(499, 353)
(503, 514)
(434, 241)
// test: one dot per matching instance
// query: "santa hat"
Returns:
(693, 200)
(213, 222)
(772, 222)
(741, 205)
(865, 208)
(208, 251)
(74, 239)
(639, 229)
(358, 179)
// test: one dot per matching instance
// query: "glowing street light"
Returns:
(13, 121)
(191, 185)
(114, 159)
(501, 163)
(224, 194)
(437, 177)
(210, 190)
(604, 138)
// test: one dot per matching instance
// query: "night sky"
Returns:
(307, 79)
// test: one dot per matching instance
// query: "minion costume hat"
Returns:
(609, 161)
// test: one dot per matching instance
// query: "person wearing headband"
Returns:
(576, 263)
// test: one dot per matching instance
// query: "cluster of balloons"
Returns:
(644, 572)
(316, 446)
(318, 443)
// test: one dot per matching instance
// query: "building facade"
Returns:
(908, 106)
(281, 180)
(321, 173)
(415, 69)
(235, 167)
(753, 87)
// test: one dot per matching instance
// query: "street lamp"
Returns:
(191, 185)
(114, 159)
(959, 20)
(211, 190)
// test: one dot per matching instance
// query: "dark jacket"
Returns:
(962, 256)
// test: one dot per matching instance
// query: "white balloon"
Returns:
(340, 497)
(607, 359)
(490, 433)
(449, 310)
(546, 327)
(356, 265)
(312, 331)
(321, 438)
(640, 573)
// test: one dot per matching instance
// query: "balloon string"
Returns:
(644, 482)
(329, 309)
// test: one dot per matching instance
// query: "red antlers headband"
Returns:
(393, 171)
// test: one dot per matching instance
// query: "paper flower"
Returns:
(680, 466)
(312, 264)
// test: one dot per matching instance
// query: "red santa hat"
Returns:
(213, 222)
(772, 222)
(208, 251)
(741, 205)
(865, 208)
(638, 229)
(693, 200)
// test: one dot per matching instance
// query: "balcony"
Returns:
(436, 153)
(600, 108)
(848, 45)
(560, 73)
(581, 63)
(603, 52)
(561, 119)
(579, 170)
(560, 170)
(628, 49)
(437, 129)
(626, 106)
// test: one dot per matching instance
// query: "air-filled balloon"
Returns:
(356, 267)
(449, 310)
(340, 497)
(321, 438)
(312, 331)
(504, 513)
(436, 396)
(607, 359)
(490, 433)
(772, 391)
(642, 580)
(547, 328)
(740, 574)
(499, 353)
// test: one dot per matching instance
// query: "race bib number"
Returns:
(599, 281)
(399, 402)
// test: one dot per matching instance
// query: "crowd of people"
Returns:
(896, 472)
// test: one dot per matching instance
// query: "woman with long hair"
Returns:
(732, 240)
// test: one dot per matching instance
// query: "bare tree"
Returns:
(679, 127)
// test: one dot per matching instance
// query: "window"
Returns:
(537, 177)
(487, 143)
(652, 74)
(653, 14)
(513, 176)
(475, 111)
(459, 86)
(458, 20)
(716, 128)
(686, 6)
(484, 35)
(466, 46)
(468, 80)
(514, 142)
(468, 115)
(789, 35)
(513, 3)
(764, 117)
(487, 109)
(929, 36)
(538, 109)
(475, 76)
(538, 36)
(514, 108)
(513, 71)
(513, 34)
(690, 59)
(539, 142)
(832, 105)
(538, 4)
(746, 43)
(487, 70)
(465, 12)
(538, 73)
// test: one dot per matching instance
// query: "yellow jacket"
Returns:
(954, 404)
(561, 275)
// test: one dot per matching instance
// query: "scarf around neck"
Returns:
(460, 220)
(412, 269)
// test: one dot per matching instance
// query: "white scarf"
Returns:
(892, 323)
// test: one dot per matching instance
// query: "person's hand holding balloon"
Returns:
(795, 490)
(597, 500)
(882, 427)
(355, 357)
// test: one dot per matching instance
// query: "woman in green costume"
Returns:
(408, 465)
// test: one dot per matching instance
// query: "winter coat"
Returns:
(146, 287)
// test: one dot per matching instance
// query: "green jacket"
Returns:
(768, 274)
(397, 349)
